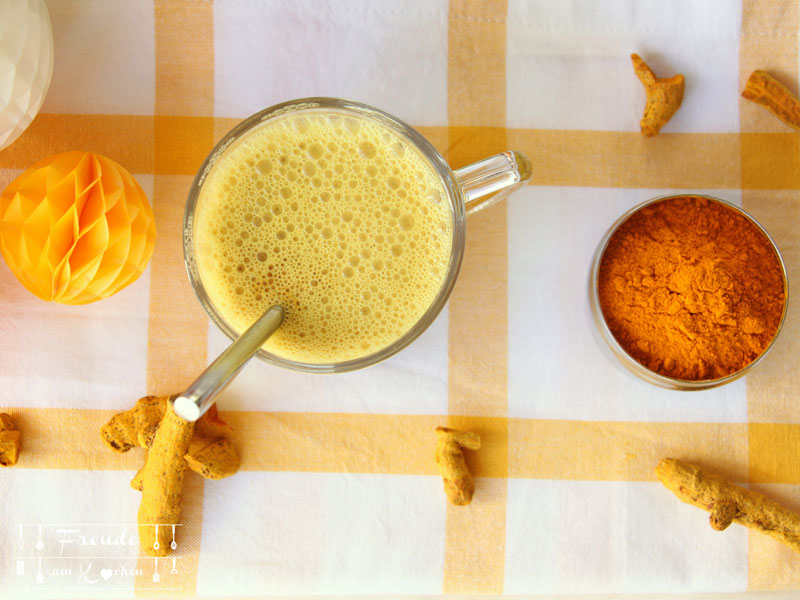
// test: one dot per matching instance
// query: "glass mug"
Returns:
(467, 190)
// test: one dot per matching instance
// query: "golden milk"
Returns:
(337, 219)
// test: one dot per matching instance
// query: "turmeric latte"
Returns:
(691, 288)
(334, 217)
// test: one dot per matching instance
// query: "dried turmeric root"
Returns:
(9, 441)
(172, 444)
(728, 503)
(767, 91)
(458, 483)
(664, 96)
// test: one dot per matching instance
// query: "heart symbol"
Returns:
(105, 574)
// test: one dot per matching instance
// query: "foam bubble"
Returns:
(406, 222)
(315, 150)
(352, 126)
(367, 150)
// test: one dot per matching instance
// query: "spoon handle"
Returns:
(199, 396)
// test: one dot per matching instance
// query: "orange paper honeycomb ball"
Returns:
(76, 227)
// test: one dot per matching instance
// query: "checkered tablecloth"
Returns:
(338, 491)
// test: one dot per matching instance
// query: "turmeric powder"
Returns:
(691, 288)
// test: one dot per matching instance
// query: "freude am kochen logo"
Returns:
(65, 555)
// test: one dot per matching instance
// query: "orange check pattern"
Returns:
(338, 492)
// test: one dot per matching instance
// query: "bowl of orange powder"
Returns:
(688, 292)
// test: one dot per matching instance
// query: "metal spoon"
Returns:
(198, 397)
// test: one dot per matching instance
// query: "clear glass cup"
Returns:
(612, 348)
(469, 189)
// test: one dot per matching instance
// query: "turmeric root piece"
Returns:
(9, 441)
(171, 445)
(458, 483)
(767, 91)
(121, 433)
(664, 96)
(728, 502)
(162, 481)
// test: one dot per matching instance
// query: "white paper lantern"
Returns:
(26, 64)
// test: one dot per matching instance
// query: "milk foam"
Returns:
(337, 219)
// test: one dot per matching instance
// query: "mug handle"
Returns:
(485, 182)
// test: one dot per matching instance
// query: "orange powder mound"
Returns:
(691, 289)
